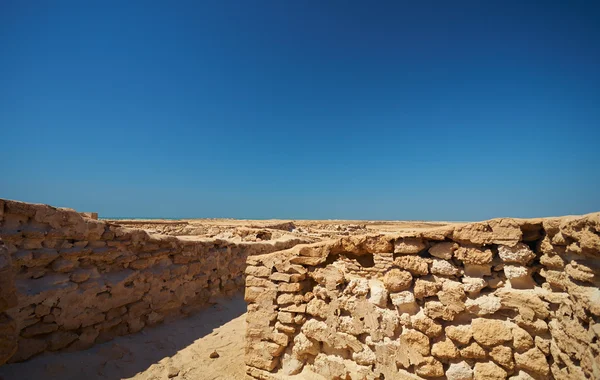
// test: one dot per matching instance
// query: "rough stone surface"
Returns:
(469, 302)
(68, 281)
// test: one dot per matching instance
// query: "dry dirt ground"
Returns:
(181, 349)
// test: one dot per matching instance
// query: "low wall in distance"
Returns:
(500, 299)
(68, 281)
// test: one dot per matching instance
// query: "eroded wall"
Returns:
(68, 281)
(500, 299)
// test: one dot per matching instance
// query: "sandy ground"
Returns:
(179, 349)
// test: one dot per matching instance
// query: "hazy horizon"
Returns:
(302, 110)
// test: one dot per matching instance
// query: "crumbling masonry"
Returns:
(500, 299)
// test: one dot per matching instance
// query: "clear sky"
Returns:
(435, 110)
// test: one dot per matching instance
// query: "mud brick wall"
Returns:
(500, 299)
(68, 281)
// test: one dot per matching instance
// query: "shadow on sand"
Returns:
(126, 356)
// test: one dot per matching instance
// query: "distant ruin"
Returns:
(68, 281)
(505, 298)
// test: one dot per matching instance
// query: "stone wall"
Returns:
(68, 281)
(501, 299)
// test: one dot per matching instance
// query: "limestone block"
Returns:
(489, 371)
(397, 280)
(444, 250)
(474, 255)
(533, 361)
(473, 351)
(378, 294)
(414, 264)
(461, 334)
(445, 349)
(409, 246)
(519, 253)
(430, 367)
(491, 332)
(443, 267)
(459, 371)
(426, 287)
(483, 305)
(503, 356)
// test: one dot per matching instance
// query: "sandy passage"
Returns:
(176, 349)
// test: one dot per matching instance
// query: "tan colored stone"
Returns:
(488, 371)
(503, 355)
(520, 299)
(426, 288)
(430, 367)
(519, 253)
(330, 276)
(483, 305)
(461, 334)
(320, 332)
(437, 310)
(378, 295)
(445, 349)
(415, 341)
(522, 341)
(474, 255)
(414, 264)
(258, 271)
(397, 280)
(443, 250)
(491, 332)
(533, 361)
(409, 246)
(459, 371)
(496, 231)
(426, 325)
(473, 351)
(443, 267)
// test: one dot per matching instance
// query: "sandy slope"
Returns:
(177, 348)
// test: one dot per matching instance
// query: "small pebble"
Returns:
(172, 372)
(214, 355)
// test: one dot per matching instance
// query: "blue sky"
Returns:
(431, 110)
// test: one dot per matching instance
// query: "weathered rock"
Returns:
(459, 371)
(503, 356)
(461, 334)
(488, 371)
(443, 267)
(430, 367)
(519, 253)
(426, 325)
(409, 246)
(397, 280)
(443, 250)
(483, 305)
(491, 332)
(445, 349)
(473, 351)
(474, 255)
(414, 264)
(533, 361)
(522, 340)
(378, 294)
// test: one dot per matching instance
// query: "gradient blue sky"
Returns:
(437, 110)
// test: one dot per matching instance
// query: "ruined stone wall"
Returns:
(501, 299)
(68, 281)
